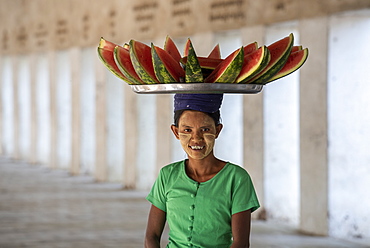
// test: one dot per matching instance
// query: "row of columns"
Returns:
(313, 131)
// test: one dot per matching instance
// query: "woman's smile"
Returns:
(197, 133)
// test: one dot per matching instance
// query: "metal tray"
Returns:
(209, 88)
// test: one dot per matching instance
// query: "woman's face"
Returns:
(197, 133)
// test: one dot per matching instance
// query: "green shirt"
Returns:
(199, 214)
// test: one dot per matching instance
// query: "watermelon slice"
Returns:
(205, 63)
(295, 49)
(126, 46)
(171, 48)
(193, 71)
(141, 58)
(229, 69)
(123, 61)
(294, 62)
(166, 68)
(280, 51)
(250, 48)
(253, 64)
(105, 53)
(215, 53)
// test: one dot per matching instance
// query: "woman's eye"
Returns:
(187, 130)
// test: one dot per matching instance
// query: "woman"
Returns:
(206, 201)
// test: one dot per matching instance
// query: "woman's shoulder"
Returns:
(173, 167)
(237, 170)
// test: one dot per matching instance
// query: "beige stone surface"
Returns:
(81, 23)
(314, 131)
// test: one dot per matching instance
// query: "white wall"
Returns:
(64, 118)
(115, 127)
(7, 104)
(42, 109)
(87, 103)
(281, 138)
(146, 153)
(349, 121)
(24, 103)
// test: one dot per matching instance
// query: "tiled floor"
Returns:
(45, 208)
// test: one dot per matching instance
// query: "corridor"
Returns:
(44, 208)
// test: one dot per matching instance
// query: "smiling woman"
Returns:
(207, 202)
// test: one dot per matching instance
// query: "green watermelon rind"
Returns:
(139, 68)
(193, 71)
(296, 67)
(123, 69)
(204, 62)
(271, 70)
(160, 69)
(229, 69)
(263, 62)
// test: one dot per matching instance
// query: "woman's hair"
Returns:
(216, 116)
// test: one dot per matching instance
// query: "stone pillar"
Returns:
(15, 107)
(75, 61)
(33, 97)
(53, 110)
(131, 138)
(1, 106)
(253, 143)
(100, 123)
(164, 135)
(313, 128)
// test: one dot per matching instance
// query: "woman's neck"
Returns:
(202, 170)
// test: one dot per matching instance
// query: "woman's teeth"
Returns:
(197, 147)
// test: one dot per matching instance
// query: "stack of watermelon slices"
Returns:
(138, 63)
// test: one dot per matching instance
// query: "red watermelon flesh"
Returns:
(250, 48)
(187, 47)
(280, 51)
(172, 66)
(123, 61)
(106, 45)
(141, 58)
(296, 48)
(171, 48)
(215, 53)
(294, 62)
(253, 64)
(206, 63)
(105, 52)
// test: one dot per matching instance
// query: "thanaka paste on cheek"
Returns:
(209, 140)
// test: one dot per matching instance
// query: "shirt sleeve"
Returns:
(157, 195)
(244, 196)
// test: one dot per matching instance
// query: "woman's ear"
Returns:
(218, 129)
(175, 131)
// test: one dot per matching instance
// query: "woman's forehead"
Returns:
(195, 117)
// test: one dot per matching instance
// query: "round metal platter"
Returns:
(214, 88)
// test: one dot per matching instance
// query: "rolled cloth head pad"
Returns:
(208, 103)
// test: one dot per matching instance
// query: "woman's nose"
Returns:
(197, 136)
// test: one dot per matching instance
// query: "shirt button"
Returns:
(190, 245)
(190, 228)
(192, 206)
(189, 238)
(192, 195)
(191, 217)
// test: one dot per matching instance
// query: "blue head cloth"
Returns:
(208, 103)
